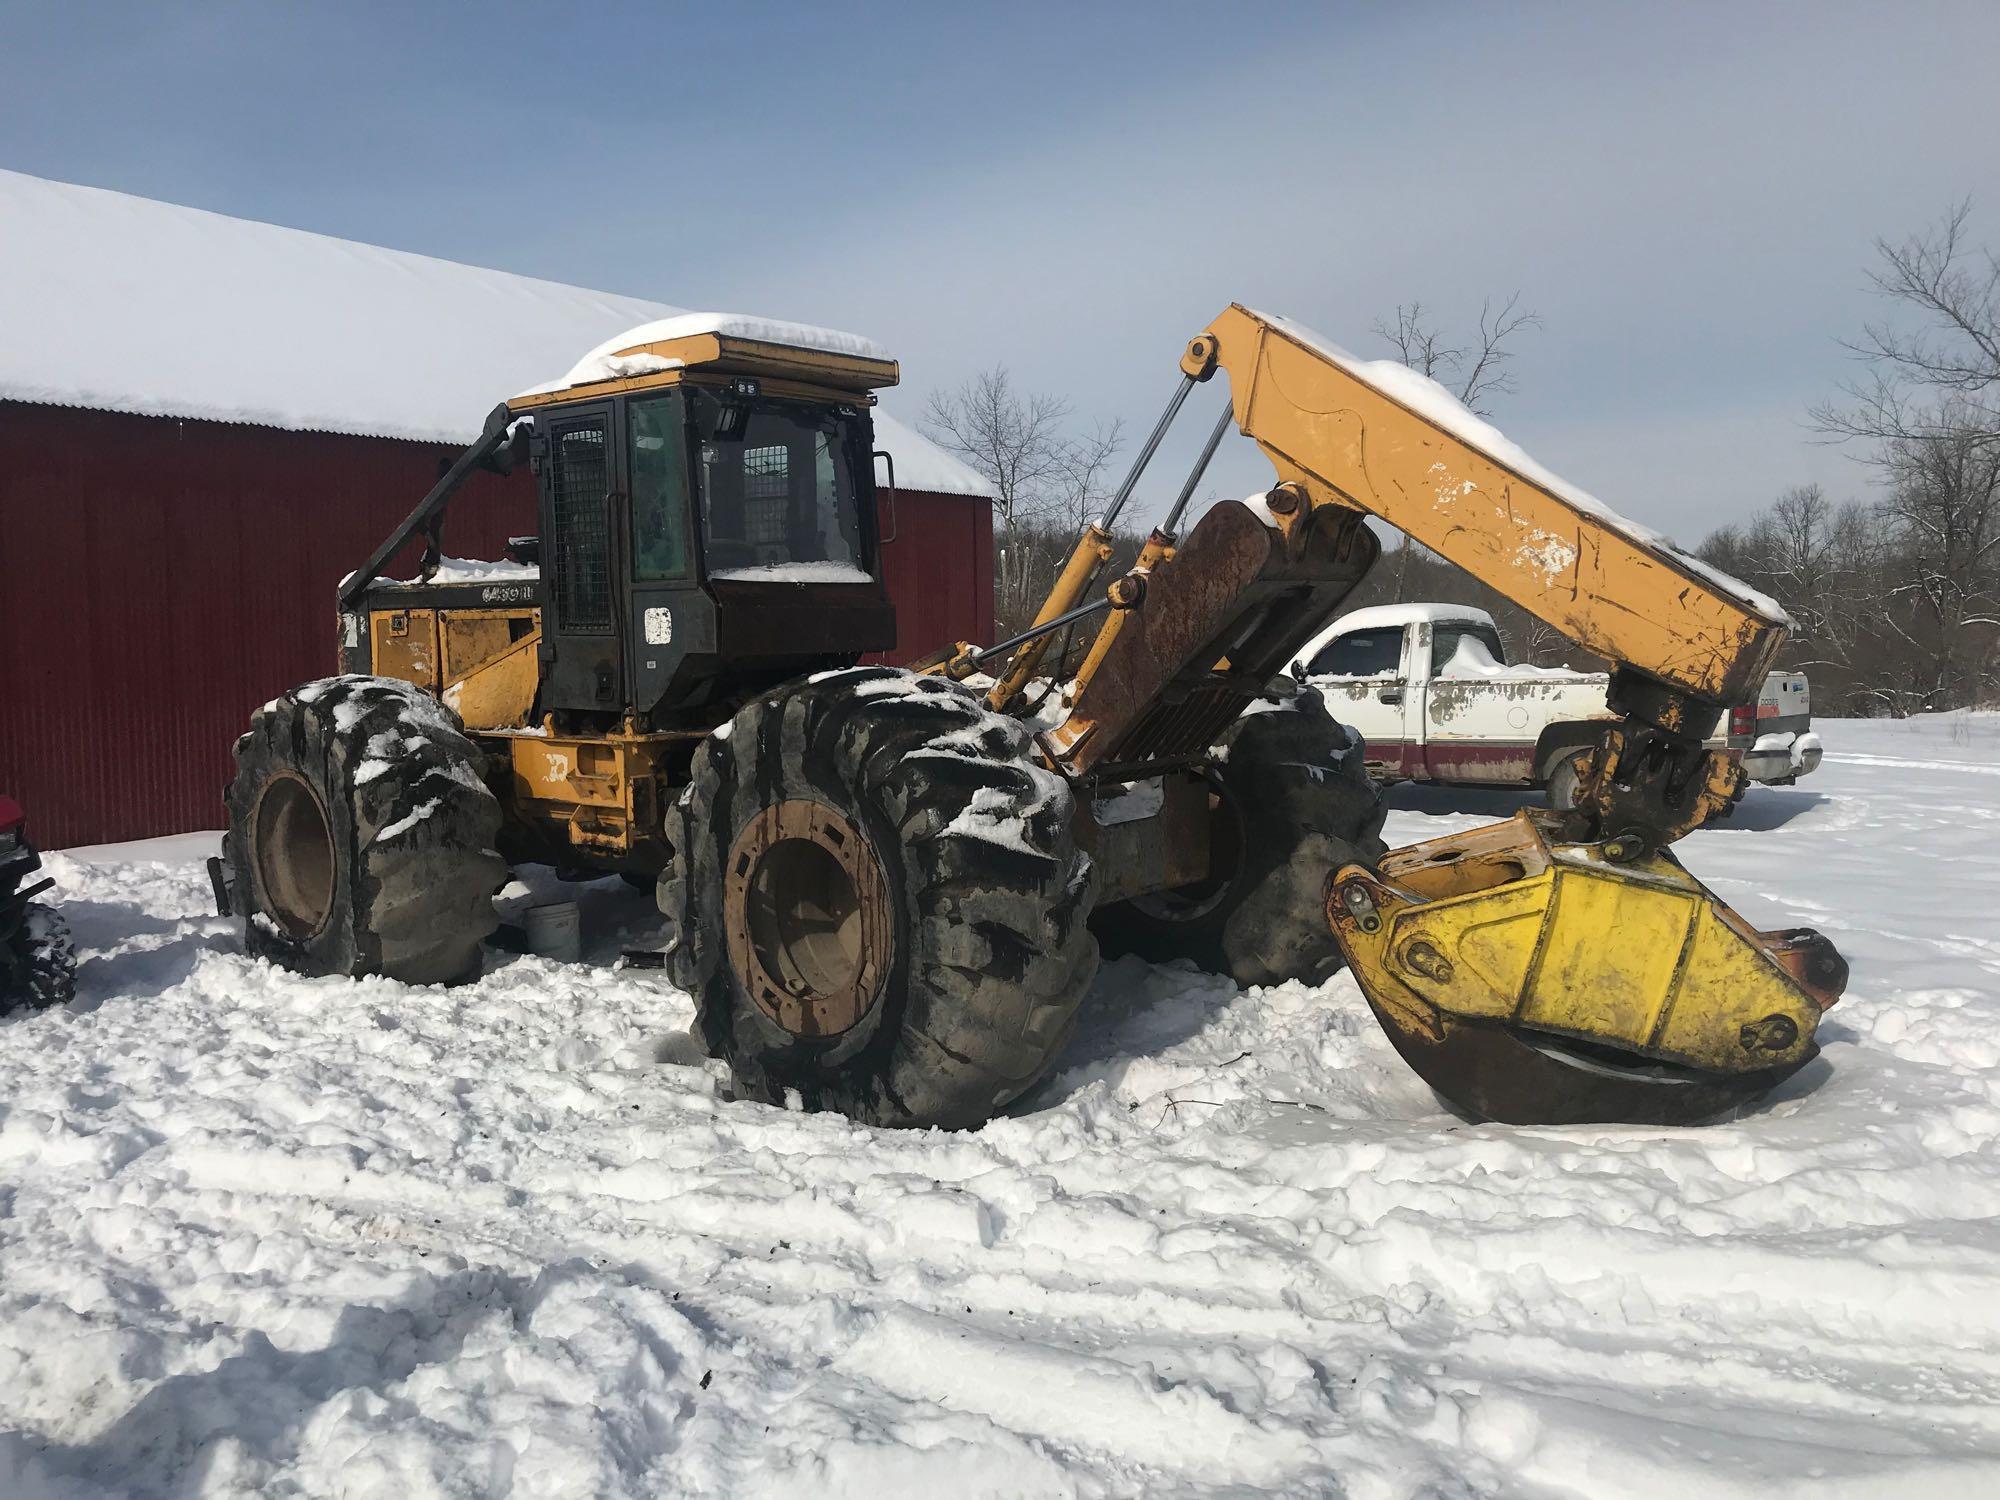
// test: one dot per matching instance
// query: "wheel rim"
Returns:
(809, 923)
(1562, 783)
(291, 849)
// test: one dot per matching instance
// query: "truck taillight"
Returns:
(1743, 719)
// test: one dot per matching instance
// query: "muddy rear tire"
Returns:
(879, 903)
(361, 834)
(1292, 803)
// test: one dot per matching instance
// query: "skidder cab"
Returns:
(707, 527)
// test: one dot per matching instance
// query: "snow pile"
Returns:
(262, 1234)
(1471, 658)
(797, 572)
(119, 303)
(1550, 554)
(469, 570)
(1259, 505)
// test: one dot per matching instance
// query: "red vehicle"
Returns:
(37, 964)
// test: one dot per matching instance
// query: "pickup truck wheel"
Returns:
(879, 901)
(1562, 780)
(1292, 803)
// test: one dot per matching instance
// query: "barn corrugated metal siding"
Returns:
(938, 565)
(161, 578)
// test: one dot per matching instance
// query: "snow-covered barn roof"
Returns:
(121, 303)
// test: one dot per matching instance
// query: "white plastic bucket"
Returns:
(554, 931)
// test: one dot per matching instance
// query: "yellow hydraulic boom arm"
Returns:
(1479, 953)
(1348, 439)
(1460, 489)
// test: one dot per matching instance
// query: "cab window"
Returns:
(779, 495)
(659, 490)
(1365, 653)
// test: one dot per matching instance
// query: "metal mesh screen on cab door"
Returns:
(767, 489)
(581, 576)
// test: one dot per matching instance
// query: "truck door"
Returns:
(1364, 678)
(1477, 725)
(582, 539)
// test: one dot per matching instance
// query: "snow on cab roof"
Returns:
(611, 360)
(120, 303)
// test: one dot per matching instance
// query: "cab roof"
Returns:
(659, 352)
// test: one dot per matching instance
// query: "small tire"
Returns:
(959, 885)
(38, 968)
(361, 834)
(1292, 804)
(1562, 780)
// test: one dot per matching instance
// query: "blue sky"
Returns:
(1687, 194)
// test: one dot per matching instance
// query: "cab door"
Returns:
(582, 666)
(1365, 680)
(668, 617)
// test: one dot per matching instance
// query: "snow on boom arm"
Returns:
(1484, 954)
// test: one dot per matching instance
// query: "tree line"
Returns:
(1896, 599)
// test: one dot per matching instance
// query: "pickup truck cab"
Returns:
(1429, 689)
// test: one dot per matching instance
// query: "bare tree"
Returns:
(1046, 482)
(1015, 442)
(1926, 418)
(1083, 483)
(1472, 370)
(1943, 370)
(1943, 506)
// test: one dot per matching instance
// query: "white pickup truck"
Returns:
(1429, 689)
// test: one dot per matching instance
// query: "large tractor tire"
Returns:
(878, 900)
(37, 960)
(361, 834)
(1290, 804)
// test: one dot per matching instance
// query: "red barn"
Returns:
(205, 422)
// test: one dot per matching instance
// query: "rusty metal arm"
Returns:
(491, 441)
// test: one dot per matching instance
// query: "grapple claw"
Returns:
(1533, 981)
(1494, 1072)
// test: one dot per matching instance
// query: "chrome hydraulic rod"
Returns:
(1223, 423)
(1145, 455)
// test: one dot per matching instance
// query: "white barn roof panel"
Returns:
(120, 303)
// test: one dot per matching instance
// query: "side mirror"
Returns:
(1299, 670)
(511, 454)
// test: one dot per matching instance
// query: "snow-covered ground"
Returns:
(265, 1235)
